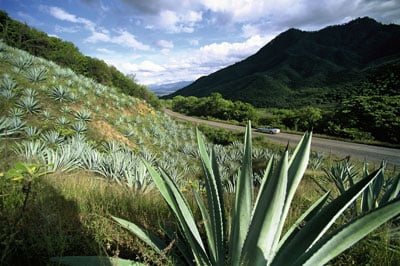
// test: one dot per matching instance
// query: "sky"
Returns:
(166, 41)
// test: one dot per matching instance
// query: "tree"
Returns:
(379, 115)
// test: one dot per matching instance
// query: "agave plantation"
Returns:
(71, 143)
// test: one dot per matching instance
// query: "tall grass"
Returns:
(68, 214)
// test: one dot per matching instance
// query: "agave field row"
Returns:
(55, 117)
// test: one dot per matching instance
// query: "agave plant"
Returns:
(111, 146)
(316, 159)
(138, 178)
(22, 62)
(10, 126)
(72, 97)
(59, 93)
(29, 92)
(343, 174)
(52, 137)
(16, 112)
(79, 127)
(8, 94)
(256, 235)
(380, 191)
(66, 109)
(64, 72)
(36, 74)
(46, 114)
(32, 132)
(91, 159)
(30, 150)
(8, 83)
(83, 115)
(115, 166)
(62, 121)
(16, 123)
(29, 104)
(64, 159)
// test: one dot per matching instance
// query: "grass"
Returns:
(69, 213)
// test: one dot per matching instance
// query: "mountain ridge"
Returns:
(167, 88)
(297, 61)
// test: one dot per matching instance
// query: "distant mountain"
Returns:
(167, 88)
(300, 68)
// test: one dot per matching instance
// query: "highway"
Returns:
(370, 153)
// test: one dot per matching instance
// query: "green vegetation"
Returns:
(213, 106)
(361, 118)
(255, 234)
(76, 152)
(64, 53)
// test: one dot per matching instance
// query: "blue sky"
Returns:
(162, 41)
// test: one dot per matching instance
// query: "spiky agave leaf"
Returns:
(36, 74)
(214, 218)
(272, 205)
(11, 126)
(29, 104)
(296, 168)
(183, 214)
(266, 216)
(392, 191)
(241, 213)
(348, 234)
(8, 83)
(314, 229)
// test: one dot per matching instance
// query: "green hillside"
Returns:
(318, 68)
(44, 105)
(66, 54)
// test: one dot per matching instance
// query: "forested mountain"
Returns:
(318, 68)
(66, 54)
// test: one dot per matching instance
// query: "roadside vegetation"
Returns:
(77, 154)
(366, 119)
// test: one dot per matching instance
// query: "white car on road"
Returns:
(269, 130)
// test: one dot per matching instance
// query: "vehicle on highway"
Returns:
(269, 130)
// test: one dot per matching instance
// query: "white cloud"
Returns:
(60, 29)
(196, 63)
(97, 34)
(168, 19)
(165, 44)
(222, 54)
(126, 39)
(104, 51)
(63, 15)
(175, 22)
(98, 37)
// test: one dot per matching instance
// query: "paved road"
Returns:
(340, 148)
